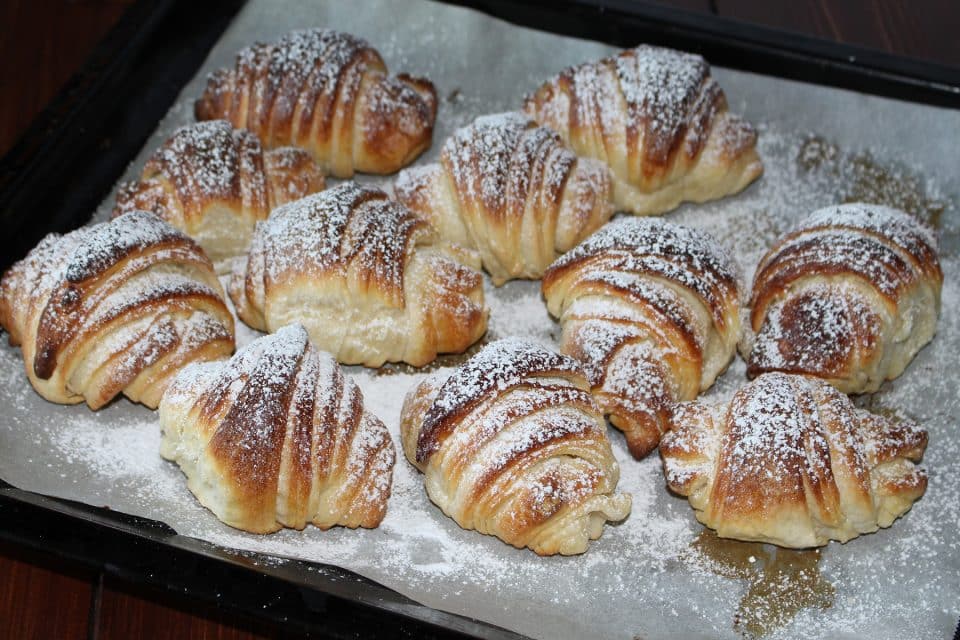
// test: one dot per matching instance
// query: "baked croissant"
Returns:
(213, 183)
(364, 275)
(278, 437)
(660, 121)
(114, 307)
(850, 296)
(511, 190)
(327, 92)
(512, 445)
(651, 309)
(792, 462)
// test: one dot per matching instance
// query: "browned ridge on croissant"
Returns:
(366, 277)
(512, 445)
(328, 92)
(851, 295)
(659, 120)
(278, 436)
(651, 309)
(510, 189)
(214, 183)
(489, 372)
(113, 307)
(791, 461)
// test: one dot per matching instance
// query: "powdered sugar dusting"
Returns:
(204, 159)
(303, 67)
(820, 333)
(660, 86)
(499, 366)
(281, 397)
(654, 561)
(337, 227)
(652, 247)
(97, 247)
(900, 227)
(498, 159)
(768, 435)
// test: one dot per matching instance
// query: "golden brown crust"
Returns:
(511, 190)
(829, 298)
(364, 275)
(790, 461)
(327, 92)
(278, 436)
(512, 445)
(214, 183)
(652, 311)
(291, 174)
(113, 307)
(478, 383)
(659, 120)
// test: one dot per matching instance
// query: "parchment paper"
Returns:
(658, 574)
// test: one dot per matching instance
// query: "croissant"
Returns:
(329, 93)
(511, 190)
(660, 121)
(278, 437)
(114, 307)
(651, 309)
(213, 183)
(364, 275)
(790, 461)
(850, 296)
(512, 445)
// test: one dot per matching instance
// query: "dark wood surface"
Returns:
(126, 611)
(43, 42)
(41, 598)
(922, 29)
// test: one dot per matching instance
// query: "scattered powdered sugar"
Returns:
(658, 571)
(658, 557)
(100, 449)
(518, 309)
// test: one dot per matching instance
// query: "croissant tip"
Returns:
(427, 91)
(202, 109)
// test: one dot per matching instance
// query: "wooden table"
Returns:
(43, 42)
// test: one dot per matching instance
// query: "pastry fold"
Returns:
(652, 310)
(369, 280)
(115, 307)
(850, 296)
(278, 437)
(659, 120)
(511, 444)
(214, 183)
(329, 93)
(792, 462)
(509, 189)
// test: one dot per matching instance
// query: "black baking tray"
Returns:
(72, 155)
